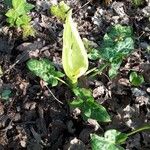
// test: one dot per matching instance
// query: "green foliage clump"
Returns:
(88, 106)
(45, 70)
(17, 17)
(117, 44)
(60, 10)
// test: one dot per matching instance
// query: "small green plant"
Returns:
(135, 79)
(113, 139)
(45, 70)
(117, 44)
(17, 17)
(88, 106)
(60, 10)
(74, 55)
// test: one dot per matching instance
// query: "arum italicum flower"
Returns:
(74, 55)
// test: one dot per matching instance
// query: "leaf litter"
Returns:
(39, 121)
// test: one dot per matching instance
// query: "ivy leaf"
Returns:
(74, 55)
(94, 54)
(45, 70)
(111, 140)
(135, 79)
(89, 108)
(117, 44)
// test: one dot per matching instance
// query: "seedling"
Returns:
(113, 139)
(17, 17)
(60, 10)
(135, 79)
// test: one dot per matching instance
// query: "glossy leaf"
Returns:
(111, 140)
(89, 107)
(45, 70)
(117, 44)
(135, 79)
(74, 55)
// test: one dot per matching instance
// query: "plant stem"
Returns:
(89, 71)
(62, 81)
(146, 127)
(99, 70)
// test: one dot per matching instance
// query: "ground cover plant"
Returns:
(18, 17)
(81, 82)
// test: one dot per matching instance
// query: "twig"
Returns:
(81, 7)
(54, 95)
(15, 63)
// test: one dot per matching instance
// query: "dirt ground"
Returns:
(32, 119)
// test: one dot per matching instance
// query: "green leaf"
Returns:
(135, 79)
(18, 6)
(5, 95)
(17, 3)
(111, 140)
(23, 21)
(117, 44)
(115, 136)
(12, 16)
(60, 10)
(137, 3)
(82, 92)
(113, 71)
(89, 108)
(94, 54)
(77, 103)
(28, 30)
(28, 7)
(93, 110)
(45, 70)
(17, 16)
(74, 55)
